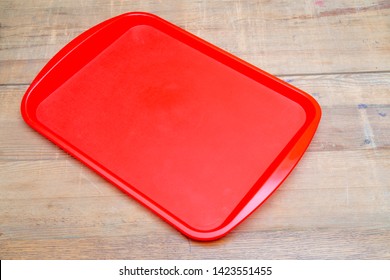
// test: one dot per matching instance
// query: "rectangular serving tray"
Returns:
(193, 133)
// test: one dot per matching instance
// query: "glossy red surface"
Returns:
(195, 134)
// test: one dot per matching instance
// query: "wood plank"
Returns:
(69, 178)
(342, 128)
(349, 90)
(338, 36)
(292, 244)
(61, 179)
(328, 192)
(355, 108)
(57, 178)
(329, 90)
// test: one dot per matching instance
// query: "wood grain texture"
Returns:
(335, 204)
(277, 36)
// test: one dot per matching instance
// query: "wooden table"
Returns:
(336, 203)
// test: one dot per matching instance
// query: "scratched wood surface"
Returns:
(336, 203)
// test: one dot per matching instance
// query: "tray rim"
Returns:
(279, 174)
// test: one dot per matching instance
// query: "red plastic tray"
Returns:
(195, 134)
